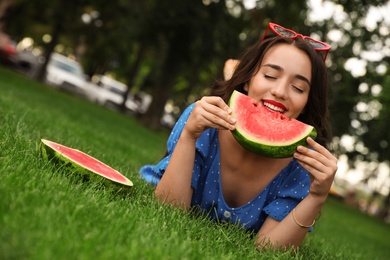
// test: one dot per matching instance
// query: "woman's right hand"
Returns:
(175, 186)
(209, 112)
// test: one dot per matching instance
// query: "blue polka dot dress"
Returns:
(281, 195)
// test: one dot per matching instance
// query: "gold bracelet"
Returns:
(299, 224)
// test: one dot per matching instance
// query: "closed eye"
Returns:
(298, 89)
(269, 76)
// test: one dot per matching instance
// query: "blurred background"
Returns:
(150, 59)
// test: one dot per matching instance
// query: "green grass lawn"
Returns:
(48, 213)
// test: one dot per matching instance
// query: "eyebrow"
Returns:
(278, 68)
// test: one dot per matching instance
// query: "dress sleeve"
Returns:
(205, 148)
(291, 191)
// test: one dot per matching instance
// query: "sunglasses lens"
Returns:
(316, 45)
(283, 32)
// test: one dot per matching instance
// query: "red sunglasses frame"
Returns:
(292, 34)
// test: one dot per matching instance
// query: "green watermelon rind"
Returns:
(281, 150)
(277, 151)
(50, 154)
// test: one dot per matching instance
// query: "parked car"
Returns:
(28, 63)
(138, 103)
(106, 91)
(8, 52)
(65, 73)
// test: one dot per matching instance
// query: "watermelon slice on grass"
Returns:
(84, 164)
(266, 132)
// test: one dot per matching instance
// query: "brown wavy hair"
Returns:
(316, 112)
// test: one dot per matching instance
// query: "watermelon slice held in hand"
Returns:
(265, 132)
(83, 163)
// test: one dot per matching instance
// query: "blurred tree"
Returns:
(175, 49)
(4, 4)
(359, 62)
(60, 21)
(194, 39)
(360, 101)
(183, 47)
(188, 38)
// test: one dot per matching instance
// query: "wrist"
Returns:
(320, 200)
(187, 136)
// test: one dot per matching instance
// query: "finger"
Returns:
(319, 153)
(310, 164)
(217, 108)
(321, 177)
(314, 161)
(220, 121)
(217, 102)
(319, 148)
(207, 114)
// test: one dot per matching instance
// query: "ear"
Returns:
(246, 87)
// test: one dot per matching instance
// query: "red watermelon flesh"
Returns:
(85, 161)
(266, 132)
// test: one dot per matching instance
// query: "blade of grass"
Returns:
(46, 212)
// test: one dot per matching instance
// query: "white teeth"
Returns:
(273, 107)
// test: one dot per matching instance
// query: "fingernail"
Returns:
(233, 120)
(232, 127)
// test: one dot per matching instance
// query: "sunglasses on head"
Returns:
(284, 32)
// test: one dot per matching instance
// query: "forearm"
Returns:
(175, 185)
(322, 166)
(288, 232)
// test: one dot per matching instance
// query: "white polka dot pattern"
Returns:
(287, 189)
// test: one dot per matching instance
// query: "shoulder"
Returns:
(188, 110)
(181, 122)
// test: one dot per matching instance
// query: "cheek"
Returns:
(302, 104)
(298, 102)
(256, 84)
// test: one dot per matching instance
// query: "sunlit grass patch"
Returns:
(46, 212)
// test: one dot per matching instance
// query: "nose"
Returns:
(280, 90)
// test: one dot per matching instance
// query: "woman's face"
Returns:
(282, 83)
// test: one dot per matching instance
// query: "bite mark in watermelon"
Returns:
(83, 162)
(265, 132)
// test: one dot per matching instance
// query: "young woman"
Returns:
(206, 167)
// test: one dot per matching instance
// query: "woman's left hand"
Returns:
(321, 164)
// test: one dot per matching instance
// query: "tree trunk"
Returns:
(56, 32)
(132, 74)
(161, 93)
(4, 4)
(41, 73)
(166, 76)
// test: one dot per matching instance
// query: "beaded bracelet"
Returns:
(299, 224)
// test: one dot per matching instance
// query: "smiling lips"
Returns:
(274, 106)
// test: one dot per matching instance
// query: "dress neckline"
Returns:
(259, 195)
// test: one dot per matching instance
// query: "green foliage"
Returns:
(201, 35)
(47, 213)
(348, 91)
(175, 49)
